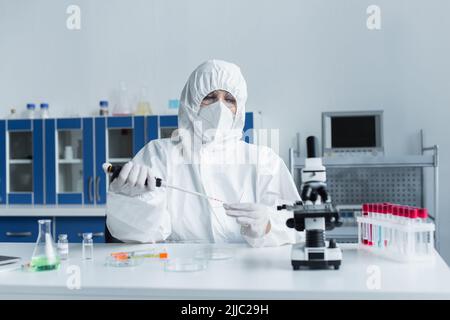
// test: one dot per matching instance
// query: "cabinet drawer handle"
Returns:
(94, 235)
(91, 189)
(18, 234)
(97, 187)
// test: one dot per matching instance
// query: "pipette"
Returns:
(115, 170)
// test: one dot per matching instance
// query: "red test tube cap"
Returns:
(423, 213)
(365, 208)
(376, 208)
(395, 210)
(413, 213)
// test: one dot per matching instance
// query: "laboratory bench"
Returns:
(252, 273)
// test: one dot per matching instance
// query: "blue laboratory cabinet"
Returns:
(117, 140)
(21, 162)
(69, 161)
(58, 162)
(75, 150)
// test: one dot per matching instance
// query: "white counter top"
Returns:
(52, 211)
(263, 273)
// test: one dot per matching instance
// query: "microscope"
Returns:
(314, 214)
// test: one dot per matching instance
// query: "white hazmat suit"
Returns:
(224, 167)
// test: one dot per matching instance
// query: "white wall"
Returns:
(300, 58)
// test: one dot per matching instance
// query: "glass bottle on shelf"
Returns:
(45, 256)
(12, 114)
(104, 108)
(30, 110)
(143, 107)
(44, 111)
(122, 108)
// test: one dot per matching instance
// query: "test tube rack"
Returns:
(396, 232)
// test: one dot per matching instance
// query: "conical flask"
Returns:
(45, 256)
(122, 107)
(143, 108)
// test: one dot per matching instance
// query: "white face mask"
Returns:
(217, 120)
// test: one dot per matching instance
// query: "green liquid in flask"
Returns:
(44, 264)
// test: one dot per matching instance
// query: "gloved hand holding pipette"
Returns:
(136, 179)
(140, 179)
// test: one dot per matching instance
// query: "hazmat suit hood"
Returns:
(210, 76)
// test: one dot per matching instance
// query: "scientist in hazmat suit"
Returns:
(207, 155)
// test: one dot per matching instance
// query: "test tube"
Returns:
(369, 226)
(373, 230)
(395, 232)
(388, 217)
(362, 227)
(426, 237)
(417, 234)
(365, 212)
(380, 227)
(412, 244)
(401, 218)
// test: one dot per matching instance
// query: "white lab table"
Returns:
(263, 273)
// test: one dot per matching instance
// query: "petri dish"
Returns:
(120, 263)
(185, 265)
(191, 241)
(214, 254)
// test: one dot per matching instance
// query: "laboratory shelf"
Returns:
(373, 161)
(119, 160)
(70, 161)
(20, 161)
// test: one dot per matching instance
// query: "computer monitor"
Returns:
(352, 132)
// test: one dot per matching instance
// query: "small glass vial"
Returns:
(44, 111)
(104, 108)
(87, 246)
(63, 247)
(12, 114)
(30, 110)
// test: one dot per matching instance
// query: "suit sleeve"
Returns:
(143, 218)
(275, 186)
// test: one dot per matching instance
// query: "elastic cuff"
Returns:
(260, 241)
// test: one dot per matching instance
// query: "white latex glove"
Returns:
(253, 218)
(131, 180)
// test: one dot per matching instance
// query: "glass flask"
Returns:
(143, 107)
(45, 256)
(122, 107)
